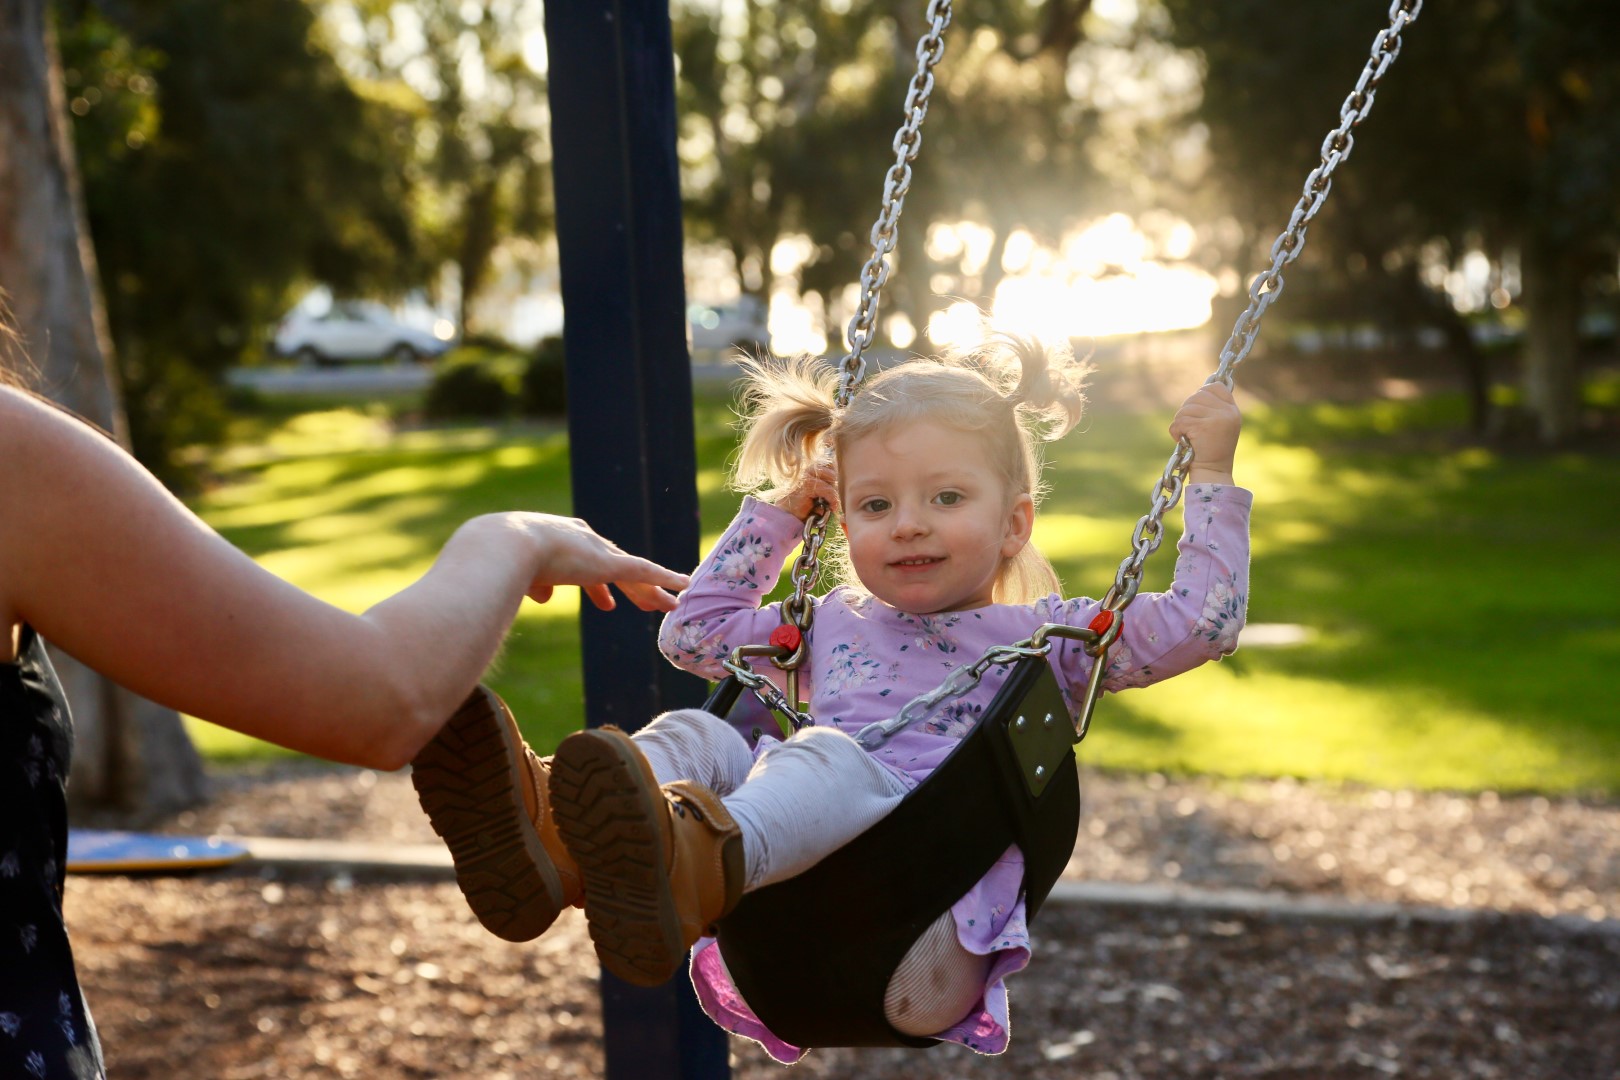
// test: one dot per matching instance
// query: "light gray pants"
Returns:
(803, 799)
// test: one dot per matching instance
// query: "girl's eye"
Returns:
(875, 506)
(948, 498)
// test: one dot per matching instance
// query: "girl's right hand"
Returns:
(820, 481)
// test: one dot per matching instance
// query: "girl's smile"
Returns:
(929, 521)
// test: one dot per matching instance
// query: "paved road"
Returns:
(355, 379)
(708, 366)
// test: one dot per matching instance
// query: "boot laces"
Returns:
(681, 808)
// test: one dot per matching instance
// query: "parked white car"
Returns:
(722, 326)
(358, 330)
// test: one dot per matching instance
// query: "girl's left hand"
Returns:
(1210, 420)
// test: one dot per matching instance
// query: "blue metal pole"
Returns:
(612, 89)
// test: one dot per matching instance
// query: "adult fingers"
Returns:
(648, 597)
(633, 569)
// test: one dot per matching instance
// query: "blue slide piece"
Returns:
(107, 851)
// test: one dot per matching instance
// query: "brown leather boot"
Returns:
(661, 864)
(485, 792)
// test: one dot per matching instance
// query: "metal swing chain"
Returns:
(1263, 292)
(797, 609)
(896, 183)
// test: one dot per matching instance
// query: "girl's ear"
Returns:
(1020, 525)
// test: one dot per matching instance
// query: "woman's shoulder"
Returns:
(28, 417)
(18, 406)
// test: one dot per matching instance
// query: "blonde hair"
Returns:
(1013, 393)
(16, 370)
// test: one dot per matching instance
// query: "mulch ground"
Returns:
(236, 974)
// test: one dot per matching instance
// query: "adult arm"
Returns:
(105, 563)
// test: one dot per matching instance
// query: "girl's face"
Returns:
(929, 521)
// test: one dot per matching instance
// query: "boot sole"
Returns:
(470, 779)
(608, 815)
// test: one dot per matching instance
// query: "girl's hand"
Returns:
(1210, 420)
(820, 481)
(571, 553)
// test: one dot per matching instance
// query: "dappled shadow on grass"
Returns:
(1452, 591)
(414, 498)
(1462, 577)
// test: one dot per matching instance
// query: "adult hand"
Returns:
(571, 553)
(1210, 421)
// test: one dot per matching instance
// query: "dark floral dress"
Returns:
(45, 1028)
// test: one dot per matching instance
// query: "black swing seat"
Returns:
(1012, 780)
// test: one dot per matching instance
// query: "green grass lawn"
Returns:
(1461, 608)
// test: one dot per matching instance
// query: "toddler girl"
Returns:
(934, 472)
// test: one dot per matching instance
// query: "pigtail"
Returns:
(786, 408)
(1050, 390)
(1042, 382)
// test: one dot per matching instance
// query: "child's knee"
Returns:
(937, 983)
(824, 743)
(685, 718)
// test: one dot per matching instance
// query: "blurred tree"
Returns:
(129, 753)
(789, 114)
(1008, 145)
(226, 160)
(759, 86)
(481, 152)
(1498, 132)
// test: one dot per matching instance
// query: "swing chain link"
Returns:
(798, 609)
(1265, 289)
(767, 692)
(962, 680)
(896, 183)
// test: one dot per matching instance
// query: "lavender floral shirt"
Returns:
(868, 659)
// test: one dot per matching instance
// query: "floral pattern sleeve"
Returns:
(721, 608)
(1197, 619)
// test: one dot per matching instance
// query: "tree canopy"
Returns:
(480, 155)
(789, 116)
(1497, 132)
(225, 160)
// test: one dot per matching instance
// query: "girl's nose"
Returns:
(908, 525)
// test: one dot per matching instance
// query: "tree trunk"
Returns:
(1552, 378)
(994, 273)
(129, 753)
(477, 246)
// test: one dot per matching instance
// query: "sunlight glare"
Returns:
(534, 51)
(794, 328)
(1105, 280)
(959, 323)
(901, 332)
(965, 243)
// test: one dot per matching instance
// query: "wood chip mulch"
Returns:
(238, 974)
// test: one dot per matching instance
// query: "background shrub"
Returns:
(468, 386)
(544, 389)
